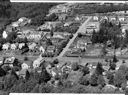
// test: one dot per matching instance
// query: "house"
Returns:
(6, 46)
(121, 18)
(81, 44)
(62, 17)
(42, 49)
(38, 69)
(95, 18)
(32, 46)
(13, 46)
(46, 26)
(77, 18)
(10, 61)
(15, 24)
(21, 45)
(51, 49)
(22, 73)
(34, 36)
(104, 18)
(112, 18)
(23, 21)
(4, 35)
(67, 23)
(37, 62)
(90, 28)
(24, 66)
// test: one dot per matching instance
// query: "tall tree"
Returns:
(27, 76)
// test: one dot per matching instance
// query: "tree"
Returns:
(35, 89)
(79, 35)
(10, 80)
(3, 73)
(85, 70)
(56, 61)
(112, 66)
(49, 42)
(101, 81)
(27, 76)
(51, 33)
(75, 66)
(11, 37)
(52, 17)
(119, 25)
(110, 77)
(44, 77)
(94, 37)
(99, 69)
(94, 79)
(84, 80)
(119, 78)
(115, 59)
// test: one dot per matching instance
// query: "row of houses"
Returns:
(31, 46)
(21, 22)
(61, 8)
(111, 18)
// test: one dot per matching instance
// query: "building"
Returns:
(121, 18)
(51, 49)
(4, 35)
(15, 24)
(90, 28)
(112, 18)
(95, 18)
(37, 62)
(24, 66)
(62, 17)
(10, 61)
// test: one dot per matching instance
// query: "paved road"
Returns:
(81, 28)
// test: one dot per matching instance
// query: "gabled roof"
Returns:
(9, 60)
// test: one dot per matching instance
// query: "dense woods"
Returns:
(95, 8)
(13, 11)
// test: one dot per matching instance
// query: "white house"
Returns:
(121, 18)
(5, 46)
(21, 45)
(77, 18)
(15, 24)
(95, 18)
(32, 46)
(42, 49)
(37, 62)
(24, 66)
(4, 35)
(13, 46)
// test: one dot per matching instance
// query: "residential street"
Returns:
(81, 28)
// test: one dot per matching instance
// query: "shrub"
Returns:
(119, 78)
(79, 35)
(101, 81)
(115, 59)
(126, 91)
(67, 84)
(56, 61)
(84, 80)
(85, 70)
(99, 69)
(26, 58)
(75, 66)
(93, 80)
(112, 66)
(110, 76)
